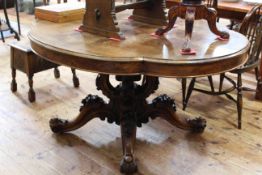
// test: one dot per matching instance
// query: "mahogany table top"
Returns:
(139, 53)
(238, 6)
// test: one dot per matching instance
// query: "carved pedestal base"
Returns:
(202, 12)
(128, 108)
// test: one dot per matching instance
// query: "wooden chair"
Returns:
(251, 27)
(211, 3)
(5, 24)
(25, 60)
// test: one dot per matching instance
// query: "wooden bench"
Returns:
(25, 60)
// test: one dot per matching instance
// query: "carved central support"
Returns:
(100, 16)
(128, 108)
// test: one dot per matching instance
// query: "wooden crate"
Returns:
(61, 12)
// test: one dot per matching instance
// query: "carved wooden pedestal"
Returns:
(202, 12)
(128, 108)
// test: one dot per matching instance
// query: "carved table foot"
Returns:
(93, 106)
(128, 108)
(128, 165)
(165, 107)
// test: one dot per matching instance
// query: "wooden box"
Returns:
(61, 12)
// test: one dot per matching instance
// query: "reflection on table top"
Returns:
(139, 47)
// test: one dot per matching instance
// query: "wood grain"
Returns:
(140, 53)
(28, 144)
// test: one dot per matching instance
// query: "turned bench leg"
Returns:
(56, 72)
(75, 78)
(13, 83)
(31, 92)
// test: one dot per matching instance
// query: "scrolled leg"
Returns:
(210, 16)
(172, 16)
(165, 107)
(93, 106)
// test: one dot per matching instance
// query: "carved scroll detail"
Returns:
(128, 108)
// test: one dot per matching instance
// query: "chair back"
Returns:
(251, 27)
(211, 3)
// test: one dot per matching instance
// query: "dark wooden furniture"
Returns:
(201, 12)
(100, 17)
(234, 11)
(251, 27)
(5, 24)
(140, 55)
(24, 59)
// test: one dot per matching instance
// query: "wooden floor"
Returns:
(28, 147)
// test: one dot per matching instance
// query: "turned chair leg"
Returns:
(257, 75)
(221, 81)
(56, 72)
(184, 82)
(189, 92)
(2, 36)
(239, 100)
(31, 92)
(13, 83)
(259, 84)
(75, 78)
(210, 79)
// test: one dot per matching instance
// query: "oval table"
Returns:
(139, 55)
